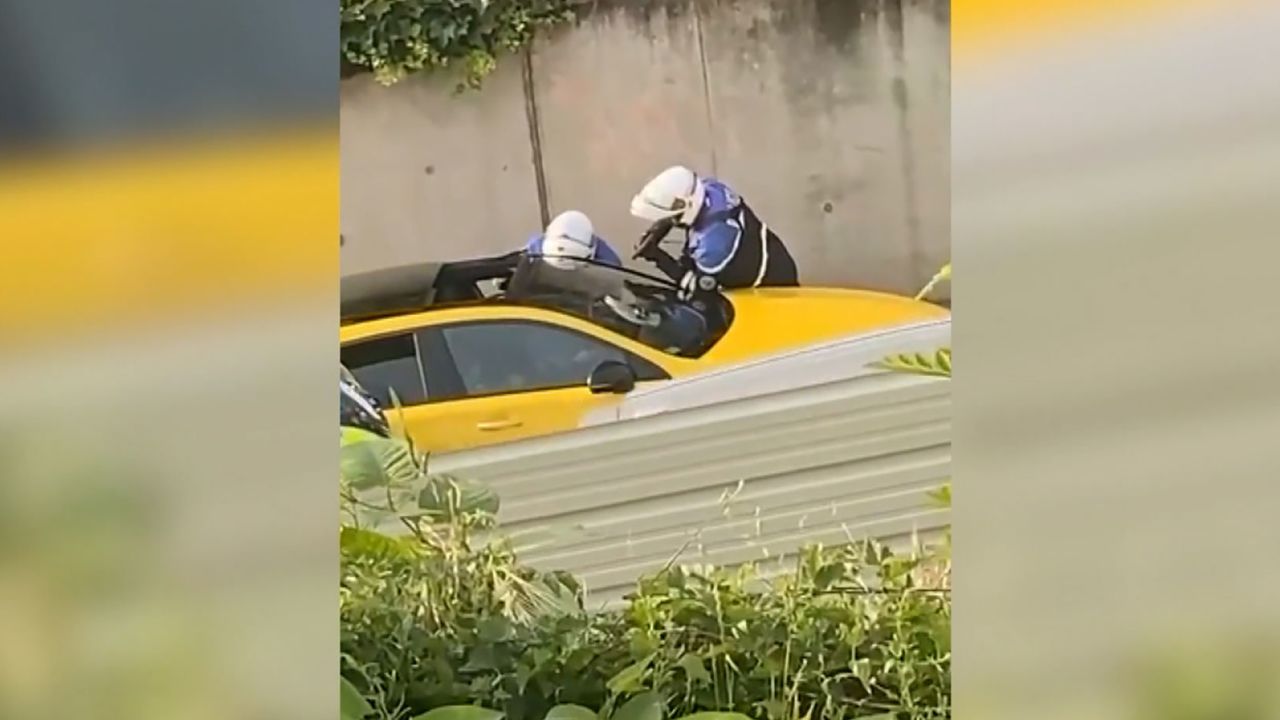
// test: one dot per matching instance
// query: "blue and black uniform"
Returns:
(600, 250)
(727, 245)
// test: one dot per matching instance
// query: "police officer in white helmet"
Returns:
(726, 244)
(570, 242)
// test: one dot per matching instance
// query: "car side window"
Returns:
(521, 356)
(385, 363)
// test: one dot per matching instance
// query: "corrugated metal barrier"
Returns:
(724, 483)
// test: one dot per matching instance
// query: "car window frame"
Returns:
(451, 388)
(417, 357)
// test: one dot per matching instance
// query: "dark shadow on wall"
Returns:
(837, 22)
(641, 12)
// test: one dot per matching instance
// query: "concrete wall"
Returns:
(830, 116)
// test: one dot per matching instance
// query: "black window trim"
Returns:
(648, 371)
(417, 357)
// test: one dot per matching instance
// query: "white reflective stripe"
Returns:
(764, 254)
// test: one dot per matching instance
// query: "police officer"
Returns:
(726, 244)
(569, 239)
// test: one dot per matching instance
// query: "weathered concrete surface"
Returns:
(426, 173)
(830, 116)
(812, 108)
(620, 97)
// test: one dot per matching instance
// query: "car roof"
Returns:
(395, 289)
(418, 286)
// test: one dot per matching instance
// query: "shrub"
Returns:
(394, 38)
(446, 616)
(849, 634)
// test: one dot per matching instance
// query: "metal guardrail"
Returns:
(726, 482)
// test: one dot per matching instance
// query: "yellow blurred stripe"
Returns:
(980, 28)
(149, 232)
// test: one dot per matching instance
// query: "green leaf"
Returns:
(351, 704)
(828, 575)
(481, 658)
(774, 708)
(646, 706)
(495, 629)
(716, 716)
(353, 435)
(941, 496)
(446, 497)
(368, 543)
(631, 678)
(695, 669)
(938, 364)
(571, 712)
(377, 462)
(461, 712)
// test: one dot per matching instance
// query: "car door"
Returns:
(497, 380)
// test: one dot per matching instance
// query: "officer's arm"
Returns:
(657, 232)
(653, 252)
(668, 265)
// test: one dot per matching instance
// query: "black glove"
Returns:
(648, 246)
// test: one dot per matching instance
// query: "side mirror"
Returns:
(612, 376)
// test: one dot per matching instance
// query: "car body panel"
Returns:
(768, 320)
(820, 363)
(476, 421)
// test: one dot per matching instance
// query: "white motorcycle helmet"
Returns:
(676, 192)
(566, 243)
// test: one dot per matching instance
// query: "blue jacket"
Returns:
(600, 250)
(715, 234)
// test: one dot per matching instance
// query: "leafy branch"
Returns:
(395, 38)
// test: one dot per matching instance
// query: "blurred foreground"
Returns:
(168, 432)
(1114, 223)
(168, 200)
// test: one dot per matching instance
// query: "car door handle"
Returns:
(490, 425)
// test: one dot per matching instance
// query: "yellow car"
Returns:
(498, 349)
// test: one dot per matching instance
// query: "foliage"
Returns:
(938, 571)
(937, 364)
(386, 479)
(351, 704)
(446, 624)
(413, 606)
(850, 633)
(642, 707)
(943, 274)
(395, 38)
